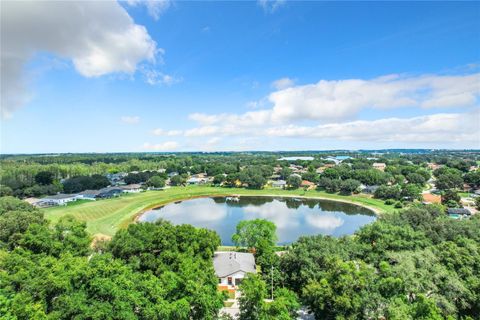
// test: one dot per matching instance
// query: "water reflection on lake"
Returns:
(294, 217)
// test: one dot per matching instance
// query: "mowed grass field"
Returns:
(105, 217)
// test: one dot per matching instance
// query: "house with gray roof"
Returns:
(58, 199)
(232, 267)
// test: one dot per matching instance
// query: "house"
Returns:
(279, 184)
(132, 188)
(172, 174)
(458, 211)
(109, 192)
(379, 166)
(88, 195)
(320, 170)
(434, 166)
(232, 267)
(58, 199)
(308, 184)
(194, 180)
(369, 189)
(429, 198)
(116, 178)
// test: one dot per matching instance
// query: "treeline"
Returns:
(148, 271)
(416, 264)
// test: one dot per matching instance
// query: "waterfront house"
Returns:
(279, 184)
(132, 188)
(109, 192)
(308, 185)
(88, 195)
(232, 267)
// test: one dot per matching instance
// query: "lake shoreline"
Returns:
(377, 212)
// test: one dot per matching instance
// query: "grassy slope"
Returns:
(107, 216)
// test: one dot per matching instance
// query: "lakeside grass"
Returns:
(105, 217)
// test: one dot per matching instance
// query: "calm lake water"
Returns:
(293, 217)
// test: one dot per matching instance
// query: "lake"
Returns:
(294, 217)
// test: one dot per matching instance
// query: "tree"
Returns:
(416, 178)
(348, 186)
(251, 301)
(156, 182)
(451, 198)
(411, 192)
(44, 177)
(294, 181)
(253, 306)
(177, 180)
(449, 180)
(218, 179)
(388, 192)
(255, 233)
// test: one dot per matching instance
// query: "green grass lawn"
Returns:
(105, 217)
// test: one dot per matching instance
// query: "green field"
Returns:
(105, 217)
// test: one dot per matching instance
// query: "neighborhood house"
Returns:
(379, 166)
(232, 267)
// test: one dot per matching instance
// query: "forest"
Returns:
(414, 264)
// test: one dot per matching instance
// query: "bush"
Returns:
(389, 202)
(398, 205)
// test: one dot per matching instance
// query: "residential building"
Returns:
(109, 192)
(308, 185)
(88, 195)
(279, 184)
(429, 198)
(232, 267)
(132, 188)
(58, 199)
(194, 180)
(368, 189)
(379, 166)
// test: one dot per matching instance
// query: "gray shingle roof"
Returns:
(59, 196)
(227, 263)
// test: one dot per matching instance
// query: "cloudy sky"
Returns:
(134, 76)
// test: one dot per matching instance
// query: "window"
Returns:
(229, 279)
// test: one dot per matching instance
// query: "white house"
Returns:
(232, 267)
(279, 184)
(132, 188)
(58, 199)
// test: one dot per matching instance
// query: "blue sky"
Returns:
(188, 76)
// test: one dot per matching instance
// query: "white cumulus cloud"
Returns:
(155, 8)
(98, 37)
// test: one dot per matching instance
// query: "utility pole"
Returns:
(272, 280)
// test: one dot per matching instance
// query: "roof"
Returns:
(379, 164)
(432, 198)
(131, 186)
(458, 211)
(59, 197)
(227, 263)
(110, 189)
(89, 192)
(307, 183)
